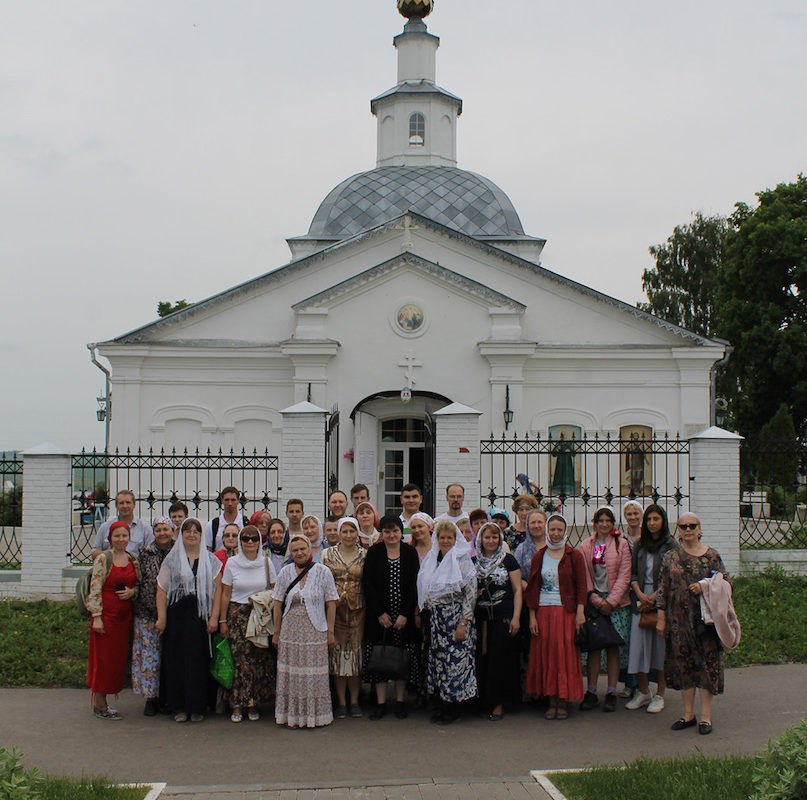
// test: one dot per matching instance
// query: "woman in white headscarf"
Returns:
(186, 614)
(447, 597)
(556, 598)
(346, 562)
(246, 573)
(312, 528)
(421, 526)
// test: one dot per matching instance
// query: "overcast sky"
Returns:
(164, 150)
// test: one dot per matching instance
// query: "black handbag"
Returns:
(388, 661)
(598, 632)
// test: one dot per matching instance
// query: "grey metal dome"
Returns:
(453, 197)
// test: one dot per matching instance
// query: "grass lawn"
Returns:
(690, 778)
(44, 643)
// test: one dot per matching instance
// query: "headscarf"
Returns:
(352, 520)
(632, 503)
(369, 538)
(470, 541)
(240, 559)
(229, 552)
(319, 543)
(182, 580)
(562, 543)
(491, 566)
(303, 538)
(424, 516)
(163, 521)
(114, 526)
(450, 574)
(255, 518)
(276, 549)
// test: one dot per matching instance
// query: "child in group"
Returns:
(331, 531)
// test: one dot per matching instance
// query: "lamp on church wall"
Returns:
(508, 412)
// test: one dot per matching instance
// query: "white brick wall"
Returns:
(456, 434)
(46, 522)
(302, 461)
(715, 465)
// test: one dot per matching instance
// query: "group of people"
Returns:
(447, 612)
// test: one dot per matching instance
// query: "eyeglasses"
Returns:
(684, 526)
(250, 538)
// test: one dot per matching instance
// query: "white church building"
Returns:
(415, 303)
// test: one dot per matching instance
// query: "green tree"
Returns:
(682, 287)
(778, 449)
(762, 307)
(166, 307)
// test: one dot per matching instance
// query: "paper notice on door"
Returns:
(366, 466)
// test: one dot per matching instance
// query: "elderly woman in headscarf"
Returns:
(312, 528)
(367, 517)
(247, 573)
(346, 561)
(536, 539)
(498, 619)
(229, 543)
(693, 654)
(187, 612)
(305, 599)
(276, 544)
(632, 513)
(646, 646)
(146, 646)
(261, 519)
(556, 598)
(447, 595)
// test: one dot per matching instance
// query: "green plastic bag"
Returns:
(221, 665)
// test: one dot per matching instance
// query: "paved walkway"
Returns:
(55, 731)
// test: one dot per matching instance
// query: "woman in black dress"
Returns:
(186, 616)
(389, 581)
(498, 615)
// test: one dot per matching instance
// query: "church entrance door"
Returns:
(403, 456)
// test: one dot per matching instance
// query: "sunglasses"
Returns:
(687, 526)
(250, 538)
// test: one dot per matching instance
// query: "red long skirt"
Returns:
(106, 663)
(554, 666)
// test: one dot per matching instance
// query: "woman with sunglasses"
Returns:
(245, 574)
(693, 654)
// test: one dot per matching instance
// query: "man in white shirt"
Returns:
(229, 513)
(455, 497)
(140, 533)
(411, 500)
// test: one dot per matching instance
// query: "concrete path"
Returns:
(56, 732)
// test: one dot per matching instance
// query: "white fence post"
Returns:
(302, 457)
(457, 453)
(715, 496)
(46, 520)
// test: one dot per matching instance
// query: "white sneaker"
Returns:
(656, 704)
(638, 701)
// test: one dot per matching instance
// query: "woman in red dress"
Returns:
(115, 581)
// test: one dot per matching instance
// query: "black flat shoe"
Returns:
(379, 713)
(682, 723)
(705, 728)
(150, 708)
(400, 711)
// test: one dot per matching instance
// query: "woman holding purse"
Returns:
(646, 646)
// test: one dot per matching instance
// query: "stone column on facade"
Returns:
(457, 453)
(715, 466)
(302, 457)
(46, 510)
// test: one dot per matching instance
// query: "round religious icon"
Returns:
(410, 317)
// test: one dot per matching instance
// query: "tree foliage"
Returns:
(682, 287)
(166, 307)
(762, 306)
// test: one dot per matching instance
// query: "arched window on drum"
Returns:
(417, 129)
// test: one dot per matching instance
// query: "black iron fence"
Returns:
(773, 494)
(159, 479)
(10, 511)
(576, 476)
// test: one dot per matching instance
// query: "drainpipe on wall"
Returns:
(93, 348)
(713, 383)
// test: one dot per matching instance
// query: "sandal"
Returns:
(355, 711)
(253, 714)
(340, 712)
(563, 713)
(197, 717)
(236, 716)
(551, 712)
(181, 717)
